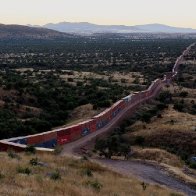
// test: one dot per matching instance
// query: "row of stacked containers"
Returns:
(65, 135)
(72, 133)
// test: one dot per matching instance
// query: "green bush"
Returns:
(30, 150)
(87, 172)
(193, 165)
(178, 106)
(95, 185)
(33, 161)
(139, 140)
(26, 170)
(55, 175)
(58, 149)
(1, 176)
(13, 155)
(183, 94)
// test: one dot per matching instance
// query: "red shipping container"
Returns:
(93, 125)
(85, 127)
(76, 132)
(63, 136)
(35, 139)
(50, 136)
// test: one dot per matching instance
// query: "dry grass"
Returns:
(73, 182)
(177, 89)
(115, 77)
(158, 155)
(175, 131)
(82, 113)
(172, 163)
(178, 173)
(171, 120)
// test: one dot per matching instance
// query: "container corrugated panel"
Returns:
(136, 97)
(126, 99)
(61, 140)
(92, 125)
(50, 135)
(75, 132)
(104, 119)
(47, 144)
(116, 109)
(85, 131)
(63, 136)
(123, 105)
(36, 139)
(146, 93)
(20, 141)
(85, 128)
(6, 147)
(133, 99)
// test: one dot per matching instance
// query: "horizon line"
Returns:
(41, 25)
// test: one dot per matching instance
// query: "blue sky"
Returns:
(128, 12)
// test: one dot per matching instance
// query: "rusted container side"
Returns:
(47, 144)
(20, 141)
(75, 132)
(116, 108)
(50, 136)
(5, 146)
(93, 125)
(63, 136)
(85, 128)
(35, 139)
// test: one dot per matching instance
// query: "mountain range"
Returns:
(89, 28)
(72, 30)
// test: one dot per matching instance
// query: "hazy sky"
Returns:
(127, 12)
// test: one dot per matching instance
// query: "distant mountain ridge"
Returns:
(18, 32)
(72, 30)
(89, 28)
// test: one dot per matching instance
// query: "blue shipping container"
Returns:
(48, 144)
(20, 141)
(85, 131)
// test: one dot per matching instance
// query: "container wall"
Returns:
(50, 136)
(20, 141)
(63, 136)
(37, 139)
(47, 144)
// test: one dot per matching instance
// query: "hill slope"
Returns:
(25, 32)
(55, 175)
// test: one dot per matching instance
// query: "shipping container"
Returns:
(117, 108)
(20, 141)
(127, 99)
(103, 118)
(5, 146)
(75, 132)
(93, 125)
(85, 127)
(63, 136)
(50, 136)
(47, 144)
(135, 98)
(35, 139)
